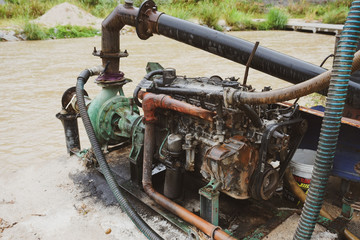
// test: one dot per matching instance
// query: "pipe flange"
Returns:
(68, 97)
(143, 28)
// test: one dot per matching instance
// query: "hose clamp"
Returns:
(213, 232)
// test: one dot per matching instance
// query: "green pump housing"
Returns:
(116, 119)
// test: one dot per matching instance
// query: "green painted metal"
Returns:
(105, 94)
(137, 142)
(136, 153)
(323, 221)
(113, 115)
(209, 202)
(347, 211)
(115, 118)
(152, 66)
(256, 235)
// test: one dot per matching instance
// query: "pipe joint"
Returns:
(153, 101)
(146, 20)
(149, 104)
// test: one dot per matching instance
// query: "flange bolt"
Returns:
(129, 3)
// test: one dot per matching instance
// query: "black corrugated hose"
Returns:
(124, 204)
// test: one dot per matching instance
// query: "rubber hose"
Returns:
(124, 204)
(254, 117)
(315, 84)
(139, 86)
(331, 122)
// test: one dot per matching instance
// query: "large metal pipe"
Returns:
(238, 50)
(110, 38)
(148, 21)
(150, 103)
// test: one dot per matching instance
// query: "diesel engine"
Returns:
(243, 150)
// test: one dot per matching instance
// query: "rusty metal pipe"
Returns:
(110, 39)
(148, 21)
(186, 215)
(315, 84)
(229, 47)
(153, 101)
(150, 103)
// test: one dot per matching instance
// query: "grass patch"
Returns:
(276, 19)
(34, 32)
(208, 14)
(102, 8)
(250, 7)
(239, 20)
(24, 8)
(237, 14)
(69, 31)
(336, 16)
(298, 9)
(181, 10)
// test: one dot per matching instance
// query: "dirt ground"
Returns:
(43, 202)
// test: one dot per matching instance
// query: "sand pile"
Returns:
(66, 13)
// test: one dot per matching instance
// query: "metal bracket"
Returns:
(100, 54)
(209, 202)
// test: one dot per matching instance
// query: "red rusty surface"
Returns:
(236, 161)
(153, 101)
(208, 228)
(345, 120)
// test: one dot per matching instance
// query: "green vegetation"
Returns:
(238, 15)
(240, 21)
(69, 31)
(336, 16)
(35, 32)
(331, 12)
(208, 14)
(276, 19)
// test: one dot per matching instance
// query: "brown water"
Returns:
(34, 75)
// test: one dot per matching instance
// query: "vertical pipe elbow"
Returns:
(110, 39)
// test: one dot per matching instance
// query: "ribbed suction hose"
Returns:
(331, 122)
(105, 169)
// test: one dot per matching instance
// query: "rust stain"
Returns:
(153, 101)
(345, 120)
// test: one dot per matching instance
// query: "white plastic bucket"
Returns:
(301, 166)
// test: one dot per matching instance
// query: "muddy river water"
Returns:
(34, 74)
